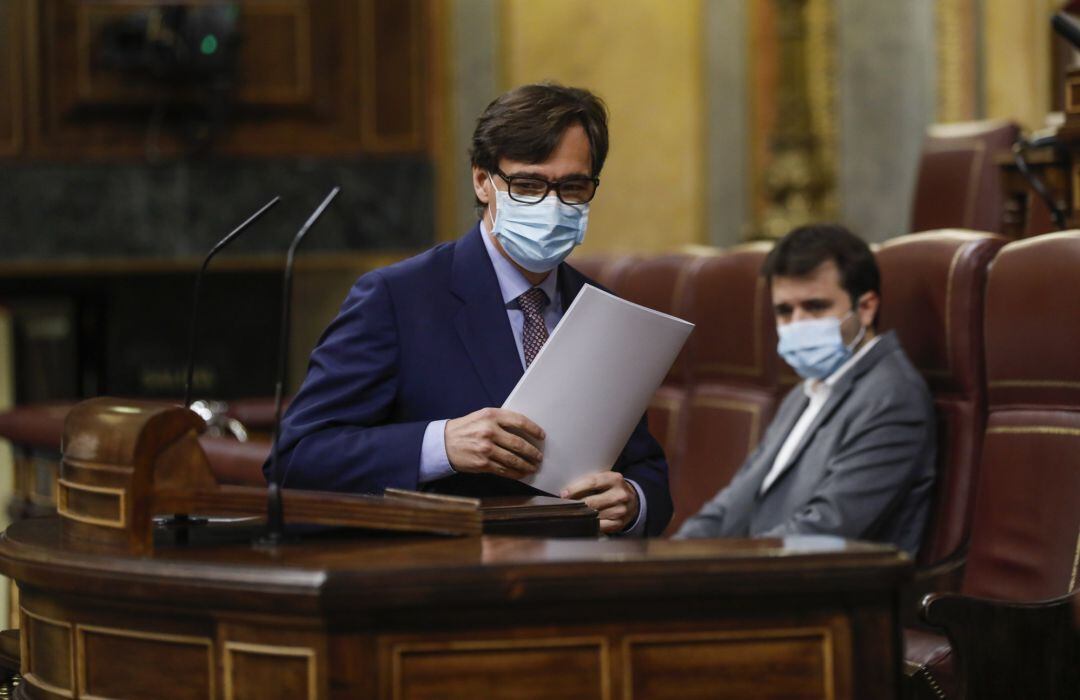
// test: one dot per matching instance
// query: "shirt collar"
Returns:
(812, 387)
(512, 283)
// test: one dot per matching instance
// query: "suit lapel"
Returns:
(570, 282)
(784, 424)
(481, 322)
(836, 397)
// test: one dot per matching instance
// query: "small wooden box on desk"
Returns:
(344, 614)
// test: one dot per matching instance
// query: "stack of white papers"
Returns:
(592, 381)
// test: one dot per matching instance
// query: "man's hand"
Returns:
(490, 441)
(610, 495)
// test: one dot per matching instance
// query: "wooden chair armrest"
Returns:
(943, 576)
(1009, 650)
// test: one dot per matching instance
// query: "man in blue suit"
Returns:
(403, 388)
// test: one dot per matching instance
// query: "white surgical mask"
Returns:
(538, 236)
(815, 348)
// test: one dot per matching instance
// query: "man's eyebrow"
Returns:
(539, 176)
(526, 173)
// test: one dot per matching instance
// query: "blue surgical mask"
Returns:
(538, 236)
(815, 348)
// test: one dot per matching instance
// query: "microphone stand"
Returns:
(275, 512)
(233, 235)
(180, 521)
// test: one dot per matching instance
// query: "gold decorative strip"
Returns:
(1048, 383)
(80, 650)
(62, 488)
(1033, 430)
(271, 650)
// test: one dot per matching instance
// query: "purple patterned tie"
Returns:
(534, 334)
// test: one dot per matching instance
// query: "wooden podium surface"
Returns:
(347, 615)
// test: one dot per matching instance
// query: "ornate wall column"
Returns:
(887, 97)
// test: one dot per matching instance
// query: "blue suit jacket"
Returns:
(425, 339)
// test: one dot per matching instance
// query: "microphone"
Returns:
(275, 515)
(1067, 27)
(233, 235)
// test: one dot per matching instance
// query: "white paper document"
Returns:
(592, 381)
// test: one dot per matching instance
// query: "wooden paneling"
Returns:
(548, 668)
(334, 77)
(11, 70)
(251, 668)
(418, 617)
(164, 660)
(48, 661)
(797, 662)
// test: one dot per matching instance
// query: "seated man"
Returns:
(851, 449)
(403, 387)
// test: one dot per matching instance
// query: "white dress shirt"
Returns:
(818, 392)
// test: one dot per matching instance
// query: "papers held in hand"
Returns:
(592, 381)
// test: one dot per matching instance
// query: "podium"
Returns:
(401, 613)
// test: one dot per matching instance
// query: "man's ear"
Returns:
(481, 184)
(867, 308)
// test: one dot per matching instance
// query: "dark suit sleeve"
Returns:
(339, 434)
(643, 461)
(874, 467)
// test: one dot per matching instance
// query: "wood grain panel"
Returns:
(798, 664)
(274, 65)
(163, 660)
(336, 77)
(251, 668)
(11, 69)
(47, 657)
(392, 33)
(536, 668)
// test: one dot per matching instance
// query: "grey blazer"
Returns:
(864, 469)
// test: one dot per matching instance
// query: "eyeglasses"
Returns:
(531, 190)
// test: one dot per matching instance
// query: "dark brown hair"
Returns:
(802, 250)
(526, 124)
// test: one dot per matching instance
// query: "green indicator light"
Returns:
(209, 44)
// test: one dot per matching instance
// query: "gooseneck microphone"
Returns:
(192, 327)
(1067, 27)
(275, 514)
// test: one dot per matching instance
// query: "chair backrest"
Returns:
(607, 269)
(731, 369)
(933, 294)
(660, 283)
(1025, 539)
(958, 181)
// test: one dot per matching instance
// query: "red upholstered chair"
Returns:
(731, 366)
(608, 270)
(933, 289)
(958, 182)
(1011, 626)
(660, 283)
